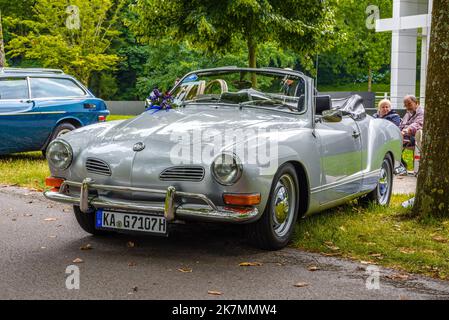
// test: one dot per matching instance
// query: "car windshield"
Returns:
(260, 89)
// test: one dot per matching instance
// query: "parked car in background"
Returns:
(39, 105)
(134, 176)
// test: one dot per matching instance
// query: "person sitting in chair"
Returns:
(384, 112)
(411, 124)
(413, 120)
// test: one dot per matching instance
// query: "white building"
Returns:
(411, 20)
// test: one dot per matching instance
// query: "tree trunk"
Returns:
(370, 79)
(252, 59)
(432, 195)
(2, 46)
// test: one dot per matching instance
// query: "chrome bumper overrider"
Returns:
(170, 209)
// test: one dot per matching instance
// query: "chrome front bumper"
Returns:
(169, 208)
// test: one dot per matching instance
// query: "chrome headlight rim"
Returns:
(238, 165)
(69, 151)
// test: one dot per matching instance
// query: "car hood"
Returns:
(166, 126)
(165, 134)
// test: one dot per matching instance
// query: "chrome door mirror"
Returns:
(332, 115)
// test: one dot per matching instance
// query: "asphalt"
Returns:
(40, 239)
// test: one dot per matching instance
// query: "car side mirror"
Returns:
(332, 115)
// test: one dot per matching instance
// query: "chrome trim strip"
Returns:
(344, 181)
(32, 113)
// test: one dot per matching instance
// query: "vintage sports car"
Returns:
(38, 105)
(246, 146)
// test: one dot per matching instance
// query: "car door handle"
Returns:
(89, 106)
(355, 134)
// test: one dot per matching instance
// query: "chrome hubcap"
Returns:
(383, 190)
(283, 207)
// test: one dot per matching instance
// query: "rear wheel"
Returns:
(382, 194)
(274, 229)
(60, 130)
(87, 222)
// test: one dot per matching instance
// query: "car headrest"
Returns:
(323, 103)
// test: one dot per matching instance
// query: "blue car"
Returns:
(39, 105)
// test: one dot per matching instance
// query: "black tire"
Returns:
(268, 233)
(381, 196)
(61, 129)
(87, 222)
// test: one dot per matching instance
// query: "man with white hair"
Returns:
(413, 120)
(411, 127)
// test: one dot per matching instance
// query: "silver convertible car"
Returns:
(257, 147)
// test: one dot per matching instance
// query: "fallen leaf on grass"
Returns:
(313, 268)
(335, 254)
(378, 256)
(78, 260)
(185, 270)
(330, 245)
(250, 264)
(86, 247)
(214, 293)
(440, 239)
(50, 219)
(406, 251)
(367, 262)
(301, 284)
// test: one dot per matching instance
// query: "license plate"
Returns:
(130, 222)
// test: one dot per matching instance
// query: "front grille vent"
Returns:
(98, 167)
(183, 173)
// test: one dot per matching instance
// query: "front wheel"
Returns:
(60, 130)
(87, 222)
(382, 194)
(275, 228)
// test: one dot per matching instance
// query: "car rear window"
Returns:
(54, 88)
(13, 88)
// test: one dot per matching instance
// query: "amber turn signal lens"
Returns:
(53, 182)
(238, 199)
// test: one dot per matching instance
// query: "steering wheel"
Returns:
(221, 82)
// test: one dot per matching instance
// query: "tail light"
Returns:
(101, 118)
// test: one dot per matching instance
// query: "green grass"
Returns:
(24, 169)
(384, 236)
(29, 169)
(408, 158)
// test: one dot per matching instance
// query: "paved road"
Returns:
(34, 254)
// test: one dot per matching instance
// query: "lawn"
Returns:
(376, 235)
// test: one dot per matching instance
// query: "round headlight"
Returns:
(227, 169)
(59, 154)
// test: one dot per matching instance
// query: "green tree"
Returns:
(432, 195)
(363, 52)
(306, 26)
(75, 38)
(2, 48)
